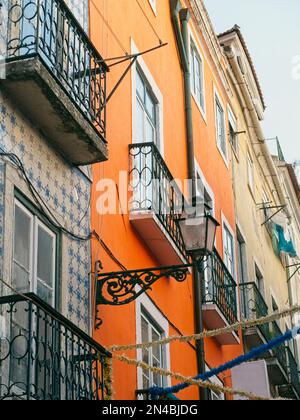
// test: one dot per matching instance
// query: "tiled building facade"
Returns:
(65, 189)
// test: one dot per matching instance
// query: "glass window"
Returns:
(229, 251)
(22, 263)
(221, 133)
(197, 76)
(242, 259)
(250, 172)
(153, 356)
(146, 112)
(34, 259)
(232, 131)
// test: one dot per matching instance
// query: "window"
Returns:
(233, 138)
(34, 270)
(34, 255)
(229, 250)
(146, 112)
(197, 77)
(242, 258)
(259, 281)
(250, 172)
(220, 125)
(153, 356)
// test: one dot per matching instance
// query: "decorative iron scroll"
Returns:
(124, 287)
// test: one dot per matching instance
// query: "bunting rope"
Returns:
(213, 333)
(191, 381)
(253, 354)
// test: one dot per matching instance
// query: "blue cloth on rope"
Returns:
(253, 354)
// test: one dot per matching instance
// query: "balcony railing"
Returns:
(48, 29)
(253, 306)
(293, 371)
(280, 352)
(43, 356)
(154, 189)
(221, 288)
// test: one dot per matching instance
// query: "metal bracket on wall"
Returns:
(133, 58)
(295, 272)
(278, 210)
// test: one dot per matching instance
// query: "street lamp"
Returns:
(198, 233)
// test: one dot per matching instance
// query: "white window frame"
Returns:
(156, 94)
(206, 185)
(218, 98)
(144, 304)
(232, 120)
(33, 260)
(153, 6)
(195, 43)
(146, 117)
(250, 172)
(226, 224)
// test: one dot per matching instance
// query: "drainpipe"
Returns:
(183, 46)
(182, 38)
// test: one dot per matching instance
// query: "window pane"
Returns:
(140, 121)
(45, 258)
(150, 132)
(150, 107)
(145, 334)
(21, 281)
(140, 87)
(22, 238)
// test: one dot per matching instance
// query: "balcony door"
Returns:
(146, 131)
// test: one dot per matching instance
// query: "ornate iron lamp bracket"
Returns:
(121, 288)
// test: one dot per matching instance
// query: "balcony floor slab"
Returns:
(214, 319)
(44, 101)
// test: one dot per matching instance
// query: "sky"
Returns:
(272, 32)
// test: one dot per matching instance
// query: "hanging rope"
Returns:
(253, 354)
(214, 333)
(191, 381)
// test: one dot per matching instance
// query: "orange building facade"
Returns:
(147, 135)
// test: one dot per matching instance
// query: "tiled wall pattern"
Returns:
(65, 189)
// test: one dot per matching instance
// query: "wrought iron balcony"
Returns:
(43, 356)
(220, 297)
(52, 61)
(278, 362)
(292, 390)
(156, 203)
(253, 306)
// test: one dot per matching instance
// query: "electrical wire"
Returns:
(40, 202)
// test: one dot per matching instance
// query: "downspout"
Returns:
(183, 46)
(182, 38)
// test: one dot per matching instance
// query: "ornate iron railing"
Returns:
(43, 356)
(253, 306)
(220, 287)
(280, 352)
(293, 370)
(155, 190)
(48, 29)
